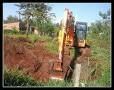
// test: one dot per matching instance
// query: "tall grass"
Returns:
(15, 77)
(101, 52)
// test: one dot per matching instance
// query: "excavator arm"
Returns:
(71, 35)
(66, 36)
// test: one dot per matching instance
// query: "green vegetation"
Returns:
(15, 77)
(52, 47)
(37, 15)
(100, 42)
(10, 32)
(51, 43)
(11, 19)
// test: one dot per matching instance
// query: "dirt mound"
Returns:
(34, 61)
(16, 54)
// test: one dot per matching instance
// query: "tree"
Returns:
(11, 19)
(26, 12)
(106, 15)
(102, 28)
(38, 12)
(49, 27)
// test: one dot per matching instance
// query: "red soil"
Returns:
(34, 61)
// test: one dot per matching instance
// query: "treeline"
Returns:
(37, 15)
(101, 29)
(11, 19)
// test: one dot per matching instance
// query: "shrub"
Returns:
(16, 78)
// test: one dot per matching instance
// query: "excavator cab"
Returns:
(80, 33)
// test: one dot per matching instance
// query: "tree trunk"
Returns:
(27, 29)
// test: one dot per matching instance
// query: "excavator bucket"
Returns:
(57, 67)
(57, 71)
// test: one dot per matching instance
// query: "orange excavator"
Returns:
(70, 35)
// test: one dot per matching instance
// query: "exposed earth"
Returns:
(34, 60)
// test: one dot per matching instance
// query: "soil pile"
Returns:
(34, 60)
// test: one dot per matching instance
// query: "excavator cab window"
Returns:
(80, 30)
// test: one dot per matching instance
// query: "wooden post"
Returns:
(76, 74)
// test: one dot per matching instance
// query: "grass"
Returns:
(15, 77)
(51, 45)
(101, 52)
(56, 83)
(11, 32)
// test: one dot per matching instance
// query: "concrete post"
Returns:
(76, 74)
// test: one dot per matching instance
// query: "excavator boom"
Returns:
(70, 35)
(66, 34)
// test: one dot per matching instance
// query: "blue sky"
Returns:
(87, 12)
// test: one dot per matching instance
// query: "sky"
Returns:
(85, 12)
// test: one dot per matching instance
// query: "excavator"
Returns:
(70, 35)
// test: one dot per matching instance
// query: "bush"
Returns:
(10, 32)
(16, 78)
